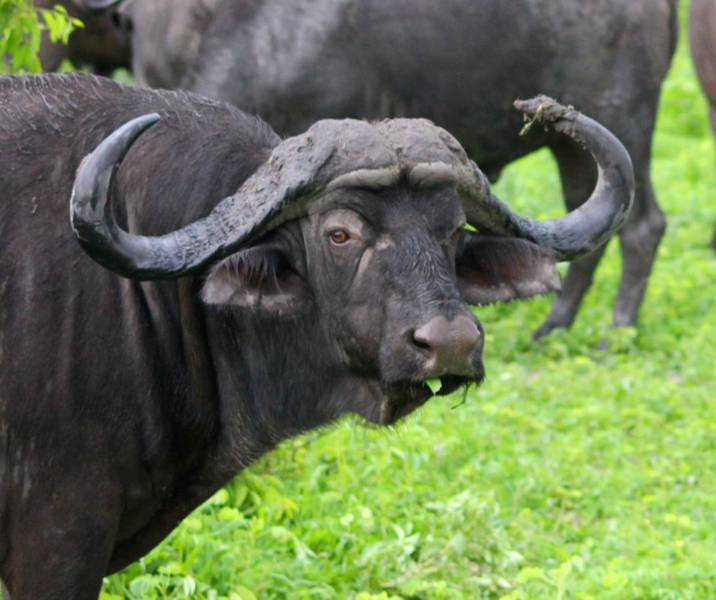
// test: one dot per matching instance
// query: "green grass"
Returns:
(571, 473)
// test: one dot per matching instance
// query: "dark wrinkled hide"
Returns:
(459, 63)
(123, 405)
(702, 37)
(103, 44)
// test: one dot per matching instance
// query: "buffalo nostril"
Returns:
(461, 332)
(451, 344)
(421, 341)
(423, 337)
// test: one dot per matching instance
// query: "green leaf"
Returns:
(242, 593)
(434, 384)
(21, 26)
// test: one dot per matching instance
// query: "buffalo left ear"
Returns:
(496, 269)
(259, 278)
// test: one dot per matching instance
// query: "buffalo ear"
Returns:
(259, 278)
(496, 269)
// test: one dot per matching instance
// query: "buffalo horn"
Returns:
(584, 229)
(279, 190)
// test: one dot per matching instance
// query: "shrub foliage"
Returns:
(21, 28)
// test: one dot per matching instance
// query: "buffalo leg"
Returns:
(639, 240)
(579, 175)
(712, 121)
(60, 550)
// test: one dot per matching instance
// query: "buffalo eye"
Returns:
(339, 237)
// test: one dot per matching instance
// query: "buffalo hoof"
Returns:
(546, 328)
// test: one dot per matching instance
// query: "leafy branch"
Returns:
(21, 28)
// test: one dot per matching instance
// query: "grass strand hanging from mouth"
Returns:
(464, 397)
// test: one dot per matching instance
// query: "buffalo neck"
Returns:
(167, 329)
(275, 380)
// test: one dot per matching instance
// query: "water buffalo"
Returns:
(103, 43)
(702, 38)
(457, 62)
(228, 290)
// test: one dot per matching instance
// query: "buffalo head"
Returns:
(349, 246)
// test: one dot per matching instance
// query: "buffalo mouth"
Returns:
(404, 397)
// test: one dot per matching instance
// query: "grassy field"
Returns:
(572, 472)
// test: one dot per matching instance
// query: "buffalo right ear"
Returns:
(496, 269)
(259, 278)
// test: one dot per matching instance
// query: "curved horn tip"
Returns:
(544, 109)
(582, 230)
(131, 130)
(95, 4)
(93, 176)
(114, 148)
